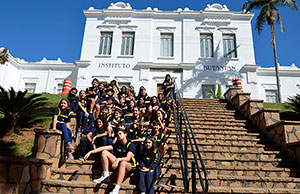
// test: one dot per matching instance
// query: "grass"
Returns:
(20, 145)
(285, 113)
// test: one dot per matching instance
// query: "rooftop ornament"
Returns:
(216, 7)
(119, 5)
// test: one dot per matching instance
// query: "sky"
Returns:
(33, 29)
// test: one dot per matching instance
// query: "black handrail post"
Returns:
(185, 144)
(194, 190)
(180, 123)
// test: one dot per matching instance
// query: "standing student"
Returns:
(92, 96)
(123, 159)
(149, 169)
(96, 138)
(168, 85)
(61, 121)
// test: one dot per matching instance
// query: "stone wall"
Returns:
(286, 134)
(22, 175)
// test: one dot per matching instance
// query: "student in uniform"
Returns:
(144, 95)
(73, 100)
(84, 119)
(122, 159)
(153, 106)
(61, 121)
(168, 85)
(149, 168)
(92, 97)
(96, 138)
(159, 137)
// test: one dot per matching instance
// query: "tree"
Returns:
(3, 55)
(269, 14)
(19, 108)
(294, 104)
(217, 95)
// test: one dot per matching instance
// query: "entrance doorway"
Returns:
(159, 89)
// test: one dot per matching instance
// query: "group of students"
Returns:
(128, 130)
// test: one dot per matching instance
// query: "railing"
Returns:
(183, 126)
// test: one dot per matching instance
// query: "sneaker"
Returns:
(102, 180)
(81, 158)
(70, 146)
(70, 156)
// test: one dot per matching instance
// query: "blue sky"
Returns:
(33, 29)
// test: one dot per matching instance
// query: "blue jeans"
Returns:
(86, 145)
(68, 135)
(85, 122)
(146, 182)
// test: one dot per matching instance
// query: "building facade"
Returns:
(198, 48)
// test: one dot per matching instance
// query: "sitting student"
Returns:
(168, 85)
(143, 94)
(102, 95)
(133, 121)
(112, 139)
(96, 138)
(122, 159)
(160, 118)
(142, 106)
(61, 121)
(84, 119)
(131, 94)
(92, 96)
(114, 121)
(73, 100)
(139, 137)
(123, 93)
(161, 99)
(159, 137)
(167, 109)
(153, 106)
(105, 113)
(129, 111)
(149, 167)
(121, 105)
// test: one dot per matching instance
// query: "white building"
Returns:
(200, 49)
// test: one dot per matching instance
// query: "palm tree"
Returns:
(217, 95)
(269, 14)
(3, 55)
(18, 108)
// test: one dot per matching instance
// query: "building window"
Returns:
(166, 46)
(206, 89)
(126, 84)
(229, 46)
(105, 43)
(30, 87)
(206, 45)
(271, 96)
(127, 43)
(60, 87)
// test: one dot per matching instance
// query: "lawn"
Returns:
(285, 113)
(20, 144)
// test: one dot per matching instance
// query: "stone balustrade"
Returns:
(23, 175)
(283, 133)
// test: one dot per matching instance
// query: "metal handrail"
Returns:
(181, 119)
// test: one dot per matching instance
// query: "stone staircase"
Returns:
(237, 157)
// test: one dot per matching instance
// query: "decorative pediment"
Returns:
(119, 5)
(216, 7)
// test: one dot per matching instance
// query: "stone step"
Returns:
(246, 170)
(209, 110)
(219, 124)
(216, 120)
(80, 187)
(223, 138)
(222, 190)
(254, 181)
(213, 116)
(206, 129)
